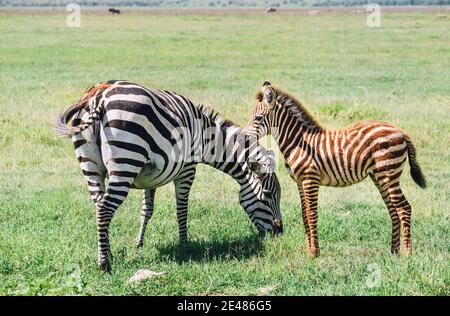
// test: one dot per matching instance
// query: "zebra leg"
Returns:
(395, 244)
(146, 214)
(91, 164)
(404, 209)
(95, 178)
(182, 188)
(118, 188)
(304, 217)
(310, 189)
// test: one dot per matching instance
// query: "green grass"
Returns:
(341, 69)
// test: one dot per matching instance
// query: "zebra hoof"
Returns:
(315, 253)
(407, 251)
(139, 243)
(395, 251)
(105, 267)
(105, 264)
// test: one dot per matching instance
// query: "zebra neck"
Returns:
(227, 150)
(294, 128)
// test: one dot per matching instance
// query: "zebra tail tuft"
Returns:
(416, 171)
(61, 128)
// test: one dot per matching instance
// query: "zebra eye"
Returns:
(259, 118)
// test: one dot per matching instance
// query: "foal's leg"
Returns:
(146, 214)
(182, 188)
(304, 217)
(310, 188)
(404, 212)
(395, 244)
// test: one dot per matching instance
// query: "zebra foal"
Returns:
(315, 156)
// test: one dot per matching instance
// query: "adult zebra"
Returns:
(145, 138)
(317, 156)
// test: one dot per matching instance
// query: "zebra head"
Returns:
(263, 113)
(262, 201)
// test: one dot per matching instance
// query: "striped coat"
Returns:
(144, 138)
(315, 156)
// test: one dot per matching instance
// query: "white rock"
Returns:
(144, 274)
(267, 289)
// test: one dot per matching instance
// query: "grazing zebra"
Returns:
(144, 138)
(316, 156)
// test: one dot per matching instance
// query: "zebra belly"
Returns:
(331, 178)
(327, 183)
(341, 180)
(152, 176)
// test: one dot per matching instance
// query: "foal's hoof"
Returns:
(407, 251)
(315, 253)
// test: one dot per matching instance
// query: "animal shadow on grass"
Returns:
(212, 250)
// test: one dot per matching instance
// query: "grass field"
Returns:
(343, 71)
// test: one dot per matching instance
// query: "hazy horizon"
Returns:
(218, 3)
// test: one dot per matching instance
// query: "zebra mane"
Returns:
(216, 117)
(293, 104)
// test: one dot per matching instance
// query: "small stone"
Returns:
(144, 274)
(266, 290)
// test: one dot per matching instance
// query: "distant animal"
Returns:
(317, 156)
(114, 11)
(271, 10)
(313, 12)
(145, 138)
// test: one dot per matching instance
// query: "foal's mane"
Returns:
(293, 104)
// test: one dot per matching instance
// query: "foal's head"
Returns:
(263, 113)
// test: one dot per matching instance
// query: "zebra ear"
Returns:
(268, 95)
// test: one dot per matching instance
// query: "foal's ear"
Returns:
(268, 94)
(259, 96)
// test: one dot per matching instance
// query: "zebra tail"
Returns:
(95, 109)
(416, 171)
(61, 127)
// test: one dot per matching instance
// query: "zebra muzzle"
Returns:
(277, 227)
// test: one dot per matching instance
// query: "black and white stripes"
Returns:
(142, 138)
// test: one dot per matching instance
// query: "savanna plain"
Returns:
(341, 69)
